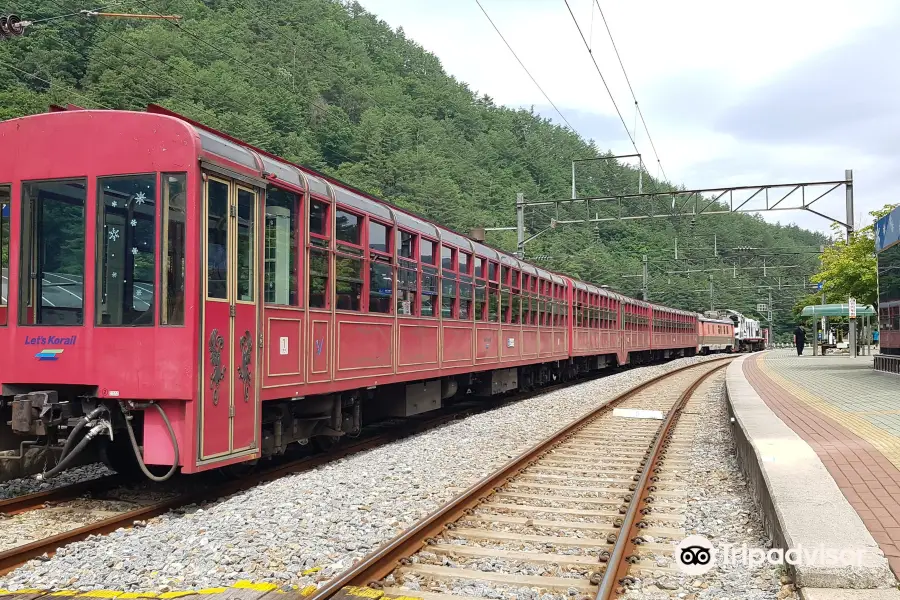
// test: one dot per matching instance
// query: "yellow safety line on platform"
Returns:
(884, 442)
(123, 595)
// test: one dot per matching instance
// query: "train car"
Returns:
(887, 247)
(748, 335)
(177, 298)
(673, 330)
(714, 335)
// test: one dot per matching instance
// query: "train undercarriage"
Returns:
(44, 432)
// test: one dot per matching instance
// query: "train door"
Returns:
(230, 391)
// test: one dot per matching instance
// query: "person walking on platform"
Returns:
(799, 339)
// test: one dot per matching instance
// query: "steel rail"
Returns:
(19, 504)
(617, 567)
(381, 562)
(14, 557)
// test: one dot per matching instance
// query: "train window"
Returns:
(492, 271)
(464, 261)
(217, 194)
(515, 307)
(526, 308)
(378, 237)
(318, 278)
(407, 285)
(407, 274)
(318, 218)
(319, 290)
(52, 262)
(447, 258)
(429, 288)
(505, 304)
(426, 251)
(480, 299)
(504, 275)
(348, 282)
(347, 225)
(4, 251)
(448, 296)
(407, 245)
(493, 302)
(381, 270)
(174, 245)
(465, 300)
(126, 250)
(280, 267)
(479, 266)
(246, 245)
(381, 286)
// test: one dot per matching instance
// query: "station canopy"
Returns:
(836, 310)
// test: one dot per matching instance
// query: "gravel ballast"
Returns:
(305, 528)
(31, 485)
(721, 509)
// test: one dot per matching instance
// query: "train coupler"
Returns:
(36, 412)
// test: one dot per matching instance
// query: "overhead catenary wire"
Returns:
(521, 64)
(630, 88)
(602, 78)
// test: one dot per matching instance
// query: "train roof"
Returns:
(274, 169)
(711, 320)
(306, 178)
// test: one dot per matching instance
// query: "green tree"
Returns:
(327, 84)
(849, 267)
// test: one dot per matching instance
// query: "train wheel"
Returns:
(324, 443)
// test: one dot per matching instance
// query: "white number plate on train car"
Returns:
(633, 413)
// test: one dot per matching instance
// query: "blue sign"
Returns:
(5, 211)
(887, 230)
(819, 286)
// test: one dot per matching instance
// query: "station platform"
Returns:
(848, 415)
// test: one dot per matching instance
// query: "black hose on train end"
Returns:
(66, 460)
(70, 440)
(137, 450)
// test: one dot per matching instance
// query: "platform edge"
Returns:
(801, 504)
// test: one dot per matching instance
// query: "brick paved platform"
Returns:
(850, 415)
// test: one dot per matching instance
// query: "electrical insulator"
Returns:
(12, 26)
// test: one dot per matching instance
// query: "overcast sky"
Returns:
(733, 93)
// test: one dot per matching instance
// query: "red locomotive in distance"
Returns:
(177, 296)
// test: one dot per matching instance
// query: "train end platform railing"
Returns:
(889, 363)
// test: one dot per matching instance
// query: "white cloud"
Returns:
(692, 64)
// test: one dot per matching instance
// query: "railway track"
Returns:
(26, 502)
(582, 514)
(106, 519)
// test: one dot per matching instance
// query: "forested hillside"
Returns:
(329, 85)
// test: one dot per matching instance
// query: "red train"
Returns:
(171, 288)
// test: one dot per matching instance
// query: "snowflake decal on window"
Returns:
(113, 234)
(134, 251)
(114, 204)
(139, 293)
(134, 222)
(114, 275)
(140, 198)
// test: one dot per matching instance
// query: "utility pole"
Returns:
(848, 176)
(769, 306)
(712, 305)
(645, 280)
(520, 226)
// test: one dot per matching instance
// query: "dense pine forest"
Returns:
(329, 85)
